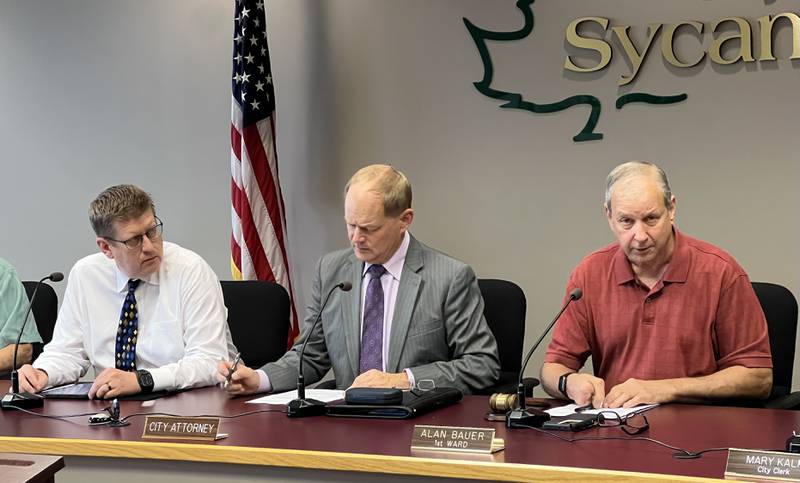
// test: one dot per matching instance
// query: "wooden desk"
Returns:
(27, 468)
(382, 446)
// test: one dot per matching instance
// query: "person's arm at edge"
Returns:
(24, 356)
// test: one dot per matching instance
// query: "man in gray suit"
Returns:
(413, 314)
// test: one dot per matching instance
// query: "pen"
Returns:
(233, 368)
(581, 409)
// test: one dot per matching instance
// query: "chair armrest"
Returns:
(789, 401)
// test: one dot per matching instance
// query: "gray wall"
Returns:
(102, 92)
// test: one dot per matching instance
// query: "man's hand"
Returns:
(376, 378)
(31, 380)
(634, 392)
(586, 389)
(243, 381)
(112, 383)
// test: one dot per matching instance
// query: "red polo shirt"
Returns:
(703, 316)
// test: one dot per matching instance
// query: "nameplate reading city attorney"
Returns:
(762, 465)
(171, 427)
(456, 439)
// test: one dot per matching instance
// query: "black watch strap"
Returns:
(145, 380)
(562, 383)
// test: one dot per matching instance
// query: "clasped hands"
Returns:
(247, 381)
(587, 389)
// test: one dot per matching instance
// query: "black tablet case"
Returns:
(414, 403)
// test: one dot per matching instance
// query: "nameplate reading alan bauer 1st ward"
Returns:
(171, 427)
(455, 438)
(767, 465)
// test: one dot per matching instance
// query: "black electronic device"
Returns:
(571, 422)
(15, 399)
(413, 404)
(521, 417)
(302, 407)
(793, 443)
(373, 395)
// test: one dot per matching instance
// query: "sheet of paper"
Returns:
(570, 409)
(324, 395)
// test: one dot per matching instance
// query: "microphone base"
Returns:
(21, 401)
(301, 408)
(526, 418)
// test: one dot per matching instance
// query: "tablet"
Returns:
(79, 390)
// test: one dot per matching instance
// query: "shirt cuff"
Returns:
(411, 379)
(163, 378)
(53, 376)
(263, 381)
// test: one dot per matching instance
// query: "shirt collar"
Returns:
(122, 278)
(677, 270)
(394, 266)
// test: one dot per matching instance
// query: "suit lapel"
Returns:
(405, 303)
(351, 314)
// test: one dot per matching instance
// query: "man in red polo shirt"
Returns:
(665, 317)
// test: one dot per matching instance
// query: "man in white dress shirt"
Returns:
(147, 315)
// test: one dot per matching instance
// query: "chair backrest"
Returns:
(780, 309)
(45, 308)
(504, 309)
(259, 317)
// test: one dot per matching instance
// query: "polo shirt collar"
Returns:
(677, 270)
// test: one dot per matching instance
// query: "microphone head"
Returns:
(345, 286)
(576, 293)
(56, 276)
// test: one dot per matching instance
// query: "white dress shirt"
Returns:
(183, 330)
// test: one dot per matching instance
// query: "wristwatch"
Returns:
(562, 383)
(145, 380)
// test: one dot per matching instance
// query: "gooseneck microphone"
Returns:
(302, 407)
(522, 417)
(15, 399)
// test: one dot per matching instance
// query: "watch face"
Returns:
(145, 379)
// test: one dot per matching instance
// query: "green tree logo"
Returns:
(514, 100)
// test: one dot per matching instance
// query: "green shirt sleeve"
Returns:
(13, 306)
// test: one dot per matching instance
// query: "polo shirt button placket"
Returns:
(648, 312)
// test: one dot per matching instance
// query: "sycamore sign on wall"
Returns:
(582, 34)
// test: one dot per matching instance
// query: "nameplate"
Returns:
(170, 427)
(455, 438)
(754, 464)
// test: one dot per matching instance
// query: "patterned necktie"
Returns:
(128, 331)
(372, 333)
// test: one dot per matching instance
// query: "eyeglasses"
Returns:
(135, 242)
(611, 419)
(423, 386)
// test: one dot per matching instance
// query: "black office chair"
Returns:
(504, 309)
(45, 311)
(780, 309)
(259, 316)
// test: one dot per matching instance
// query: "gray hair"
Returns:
(637, 168)
(389, 182)
(118, 203)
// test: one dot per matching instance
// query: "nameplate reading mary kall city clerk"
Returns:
(171, 427)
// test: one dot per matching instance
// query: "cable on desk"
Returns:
(230, 416)
(62, 417)
(680, 453)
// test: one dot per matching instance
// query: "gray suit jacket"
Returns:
(438, 328)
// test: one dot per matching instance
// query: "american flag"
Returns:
(258, 238)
